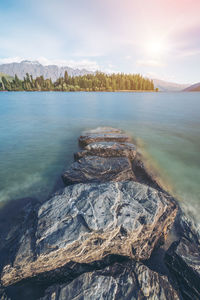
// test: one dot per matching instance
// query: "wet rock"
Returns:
(143, 174)
(89, 138)
(3, 296)
(17, 223)
(187, 227)
(108, 149)
(98, 169)
(183, 261)
(85, 223)
(118, 282)
(102, 130)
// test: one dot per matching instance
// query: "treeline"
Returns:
(90, 82)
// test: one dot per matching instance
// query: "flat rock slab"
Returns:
(130, 281)
(84, 140)
(108, 149)
(183, 261)
(98, 169)
(102, 130)
(87, 223)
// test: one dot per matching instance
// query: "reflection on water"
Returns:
(38, 135)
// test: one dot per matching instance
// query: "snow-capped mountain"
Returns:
(35, 69)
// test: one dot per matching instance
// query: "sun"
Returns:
(155, 48)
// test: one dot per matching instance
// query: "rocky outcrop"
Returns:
(98, 169)
(88, 240)
(87, 222)
(106, 157)
(131, 280)
(108, 149)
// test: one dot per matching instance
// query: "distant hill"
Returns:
(164, 86)
(193, 88)
(9, 78)
(36, 69)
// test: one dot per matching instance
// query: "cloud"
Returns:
(90, 65)
(150, 63)
(128, 57)
(9, 60)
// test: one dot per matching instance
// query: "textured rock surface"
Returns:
(102, 130)
(89, 138)
(17, 230)
(108, 149)
(118, 282)
(88, 222)
(187, 228)
(98, 169)
(183, 261)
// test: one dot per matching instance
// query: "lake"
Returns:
(39, 130)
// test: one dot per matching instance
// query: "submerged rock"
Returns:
(98, 169)
(117, 282)
(108, 149)
(183, 261)
(87, 223)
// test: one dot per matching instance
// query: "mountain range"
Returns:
(36, 69)
(165, 86)
(193, 88)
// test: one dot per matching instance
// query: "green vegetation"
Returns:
(90, 82)
(9, 78)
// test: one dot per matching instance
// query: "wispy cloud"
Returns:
(150, 63)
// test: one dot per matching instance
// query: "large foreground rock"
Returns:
(183, 261)
(86, 223)
(98, 169)
(117, 282)
(108, 149)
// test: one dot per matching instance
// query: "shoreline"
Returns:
(103, 91)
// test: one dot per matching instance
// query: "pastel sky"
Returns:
(157, 38)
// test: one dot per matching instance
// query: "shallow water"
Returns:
(38, 135)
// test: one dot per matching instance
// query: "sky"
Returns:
(156, 38)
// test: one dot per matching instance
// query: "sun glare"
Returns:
(155, 48)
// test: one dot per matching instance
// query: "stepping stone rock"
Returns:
(98, 169)
(117, 282)
(102, 130)
(183, 261)
(89, 138)
(108, 149)
(87, 223)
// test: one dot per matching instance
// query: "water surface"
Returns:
(39, 130)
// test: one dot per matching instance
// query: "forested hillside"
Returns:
(97, 82)
(8, 78)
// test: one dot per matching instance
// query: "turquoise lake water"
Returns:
(38, 135)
